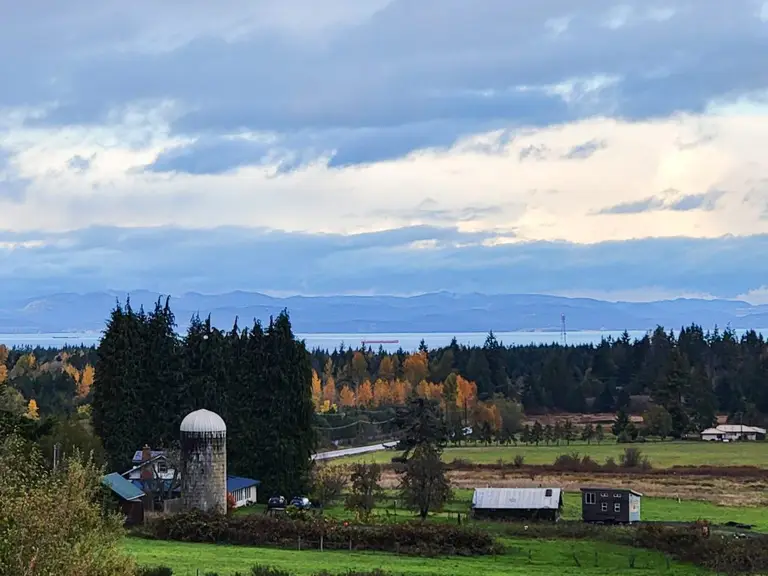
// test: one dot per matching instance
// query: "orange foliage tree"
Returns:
(329, 390)
(484, 413)
(400, 392)
(33, 411)
(365, 394)
(416, 367)
(429, 390)
(382, 395)
(387, 368)
(317, 391)
(347, 397)
(466, 393)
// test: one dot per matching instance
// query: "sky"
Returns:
(591, 148)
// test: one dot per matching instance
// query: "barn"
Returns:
(517, 504)
(130, 499)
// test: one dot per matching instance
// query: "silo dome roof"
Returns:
(203, 421)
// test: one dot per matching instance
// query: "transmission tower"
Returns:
(563, 333)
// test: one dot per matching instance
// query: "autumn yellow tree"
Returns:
(25, 364)
(382, 394)
(416, 367)
(365, 394)
(3, 360)
(329, 390)
(32, 410)
(429, 390)
(347, 397)
(466, 393)
(400, 391)
(484, 413)
(317, 391)
(3, 373)
(86, 381)
(387, 369)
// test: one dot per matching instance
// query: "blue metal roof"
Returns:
(237, 482)
(122, 487)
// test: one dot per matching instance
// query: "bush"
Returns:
(328, 483)
(154, 571)
(633, 458)
(519, 461)
(417, 538)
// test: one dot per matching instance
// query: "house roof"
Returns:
(733, 429)
(516, 498)
(122, 487)
(604, 489)
(237, 482)
(138, 456)
(141, 464)
(167, 485)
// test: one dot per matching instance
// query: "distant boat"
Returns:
(364, 342)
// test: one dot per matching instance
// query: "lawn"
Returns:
(661, 454)
(546, 558)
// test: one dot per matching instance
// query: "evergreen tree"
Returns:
(621, 423)
(537, 433)
(599, 433)
(588, 433)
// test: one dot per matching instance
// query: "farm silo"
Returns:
(204, 462)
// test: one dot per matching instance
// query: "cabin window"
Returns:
(604, 494)
(604, 506)
(617, 507)
(548, 493)
(617, 495)
(162, 467)
(589, 498)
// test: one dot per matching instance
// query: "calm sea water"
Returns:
(329, 341)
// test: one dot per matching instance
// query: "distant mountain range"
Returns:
(438, 312)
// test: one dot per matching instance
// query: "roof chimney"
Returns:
(146, 456)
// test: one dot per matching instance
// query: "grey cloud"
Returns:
(533, 152)
(13, 187)
(637, 207)
(585, 150)
(706, 201)
(211, 261)
(79, 163)
(388, 68)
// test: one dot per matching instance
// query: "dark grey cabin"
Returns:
(517, 504)
(610, 505)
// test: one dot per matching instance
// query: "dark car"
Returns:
(277, 503)
(301, 502)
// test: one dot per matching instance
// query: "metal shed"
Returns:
(517, 503)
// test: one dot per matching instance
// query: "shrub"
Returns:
(417, 538)
(328, 483)
(519, 461)
(633, 458)
(154, 571)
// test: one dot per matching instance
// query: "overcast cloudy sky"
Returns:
(595, 148)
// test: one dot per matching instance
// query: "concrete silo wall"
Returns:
(204, 473)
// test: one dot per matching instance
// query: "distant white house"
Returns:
(732, 432)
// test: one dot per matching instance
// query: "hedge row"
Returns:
(414, 538)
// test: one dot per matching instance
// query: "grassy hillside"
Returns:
(546, 558)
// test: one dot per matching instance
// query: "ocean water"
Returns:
(390, 342)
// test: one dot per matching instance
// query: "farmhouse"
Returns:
(517, 503)
(610, 505)
(732, 432)
(130, 499)
(243, 490)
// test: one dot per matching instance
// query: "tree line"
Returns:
(257, 379)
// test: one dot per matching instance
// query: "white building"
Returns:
(732, 432)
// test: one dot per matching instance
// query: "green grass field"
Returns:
(652, 509)
(661, 454)
(546, 558)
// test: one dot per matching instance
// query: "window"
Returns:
(589, 498)
(617, 507)
(604, 495)
(162, 466)
(604, 507)
(548, 493)
(617, 495)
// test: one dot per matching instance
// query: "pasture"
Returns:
(529, 557)
(661, 454)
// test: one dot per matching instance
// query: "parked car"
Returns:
(301, 502)
(277, 503)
